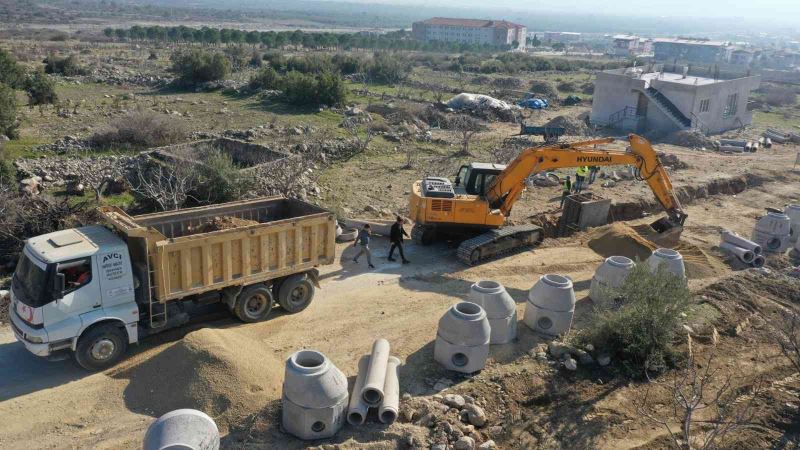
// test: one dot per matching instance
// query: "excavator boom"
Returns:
(506, 189)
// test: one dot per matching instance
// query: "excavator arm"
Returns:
(506, 189)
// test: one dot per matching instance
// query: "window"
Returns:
(704, 105)
(731, 106)
(76, 273)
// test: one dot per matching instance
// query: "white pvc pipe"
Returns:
(391, 393)
(739, 241)
(744, 255)
(372, 392)
(357, 410)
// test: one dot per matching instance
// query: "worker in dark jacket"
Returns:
(363, 241)
(396, 238)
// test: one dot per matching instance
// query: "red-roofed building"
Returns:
(473, 31)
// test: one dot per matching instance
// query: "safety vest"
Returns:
(567, 186)
(582, 171)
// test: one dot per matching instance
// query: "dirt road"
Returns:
(56, 405)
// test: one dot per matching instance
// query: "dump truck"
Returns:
(93, 291)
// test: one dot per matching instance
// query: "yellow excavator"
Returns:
(475, 205)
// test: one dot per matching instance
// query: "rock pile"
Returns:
(63, 170)
(67, 144)
(689, 138)
(456, 421)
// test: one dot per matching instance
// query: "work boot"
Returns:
(355, 260)
(391, 259)
(405, 261)
(371, 266)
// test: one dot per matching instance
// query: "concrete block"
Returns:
(182, 429)
(773, 232)
(607, 278)
(500, 307)
(550, 305)
(671, 259)
(462, 339)
(793, 211)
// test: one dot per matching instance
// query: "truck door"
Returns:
(116, 279)
(80, 294)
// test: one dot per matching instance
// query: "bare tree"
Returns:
(787, 335)
(168, 184)
(360, 136)
(410, 152)
(465, 128)
(699, 388)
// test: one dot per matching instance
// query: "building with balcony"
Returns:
(657, 100)
(473, 31)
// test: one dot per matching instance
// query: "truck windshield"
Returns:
(30, 283)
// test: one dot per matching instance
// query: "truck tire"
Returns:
(254, 304)
(101, 347)
(296, 293)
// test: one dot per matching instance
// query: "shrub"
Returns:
(780, 96)
(68, 66)
(641, 331)
(256, 60)
(347, 64)
(300, 89)
(11, 73)
(567, 86)
(198, 66)
(266, 78)
(330, 89)
(545, 88)
(41, 89)
(220, 179)
(387, 69)
(141, 130)
(8, 174)
(8, 111)
(237, 56)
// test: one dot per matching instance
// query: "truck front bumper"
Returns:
(35, 340)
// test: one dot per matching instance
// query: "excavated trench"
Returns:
(622, 211)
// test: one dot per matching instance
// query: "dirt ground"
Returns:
(234, 371)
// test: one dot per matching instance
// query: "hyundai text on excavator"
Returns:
(476, 205)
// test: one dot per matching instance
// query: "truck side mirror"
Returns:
(59, 283)
(457, 180)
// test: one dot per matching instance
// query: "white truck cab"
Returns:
(74, 290)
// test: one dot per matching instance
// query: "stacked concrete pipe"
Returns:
(743, 249)
(608, 278)
(501, 310)
(377, 386)
(550, 305)
(182, 429)
(462, 340)
(671, 259)
(315, 396)
(793, 211)
(773, 232)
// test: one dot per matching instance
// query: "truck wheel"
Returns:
(101, 347)
(254, 304)
(296, 293)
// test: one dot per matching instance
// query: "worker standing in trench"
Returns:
(566, 189)
(580, 176)
(363, 241)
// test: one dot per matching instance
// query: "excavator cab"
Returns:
(475, 178)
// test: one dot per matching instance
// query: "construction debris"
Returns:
(572, 125)
(222, 223)
(477, 102)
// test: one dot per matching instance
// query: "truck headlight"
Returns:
(35, 339)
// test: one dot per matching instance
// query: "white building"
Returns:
(639, 100)
(474, 31)
(564, 37)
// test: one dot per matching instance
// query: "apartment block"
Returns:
(474, 31)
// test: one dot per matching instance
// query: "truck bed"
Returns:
(290, 236)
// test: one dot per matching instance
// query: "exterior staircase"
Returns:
(668, 108)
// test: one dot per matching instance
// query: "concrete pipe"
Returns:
(739, 241)
(390, 406)
(671, 259)
(462, 339)
(315, 396)
(773, 231)
(734, 142)
(348, 235)
(550, 305)
(744, 255)
(793, 211)
(501, 310)
(758, 261)
(357, 410)
(182, 429)
(372, 392)
(608, 278)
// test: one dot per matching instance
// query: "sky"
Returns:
(785, 11)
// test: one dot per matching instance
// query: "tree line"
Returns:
(395, 40)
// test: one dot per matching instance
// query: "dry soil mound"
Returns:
(223, 223)
(623, 240)
(572, 125)
(689, 138)
(220, 372)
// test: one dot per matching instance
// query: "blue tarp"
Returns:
(533, 103)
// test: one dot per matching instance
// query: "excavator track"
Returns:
(499, 242)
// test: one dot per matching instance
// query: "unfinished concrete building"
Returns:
(638, 100)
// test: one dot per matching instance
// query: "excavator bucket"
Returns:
(668, 233)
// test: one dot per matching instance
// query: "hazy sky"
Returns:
(782, 10)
